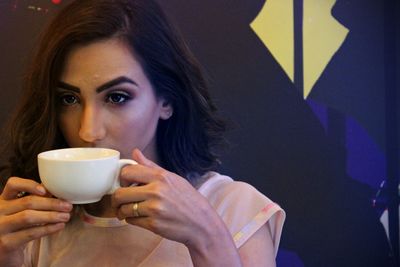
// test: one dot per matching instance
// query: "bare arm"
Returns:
(215, 247)
(259, 249)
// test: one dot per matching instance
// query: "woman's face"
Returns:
(106, 100)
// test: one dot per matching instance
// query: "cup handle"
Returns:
(121, 163)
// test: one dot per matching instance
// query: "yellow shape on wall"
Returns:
(322, 36)
(274, 25)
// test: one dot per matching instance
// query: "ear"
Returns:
(166, 110)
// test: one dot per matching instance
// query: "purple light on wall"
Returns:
(365, 160)
(320, 111)
(288, 258)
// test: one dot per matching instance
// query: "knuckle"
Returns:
(126, 171)
(157, 209)
(12, 182)
(157, 188)
(53, 216)
(26, 217)
(157, 191)
(27, 202)
(162, 175)
(117, 196)
(54, 204)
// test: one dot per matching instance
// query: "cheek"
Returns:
(135, 130)
(126, 128)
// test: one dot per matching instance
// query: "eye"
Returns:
(118, 98)
(68, 99)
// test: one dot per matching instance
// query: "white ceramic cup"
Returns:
(81, 175)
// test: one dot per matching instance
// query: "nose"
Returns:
(91, 125)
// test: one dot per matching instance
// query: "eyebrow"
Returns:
(101, 88)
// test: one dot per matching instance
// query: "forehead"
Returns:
(100, 61)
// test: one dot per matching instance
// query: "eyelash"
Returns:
(123, 98)
(126, 97)
(63, 99)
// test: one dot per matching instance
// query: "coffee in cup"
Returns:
(81, 175)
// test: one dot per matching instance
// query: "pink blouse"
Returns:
(93, 241)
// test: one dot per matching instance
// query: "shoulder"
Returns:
(242, 207)
(220, 189)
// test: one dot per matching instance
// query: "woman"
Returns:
(115, 74)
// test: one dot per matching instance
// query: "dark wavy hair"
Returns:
(187, 142)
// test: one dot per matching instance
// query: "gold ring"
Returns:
(135, 209)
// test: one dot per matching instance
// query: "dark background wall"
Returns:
(322, 158)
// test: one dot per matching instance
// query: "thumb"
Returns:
(138, 156)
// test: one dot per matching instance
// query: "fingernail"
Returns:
(66, 206)
(41, 189)
(64, 216)
(58, 226)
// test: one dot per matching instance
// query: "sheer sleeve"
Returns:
(244, 209)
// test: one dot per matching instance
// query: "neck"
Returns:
(102, 208)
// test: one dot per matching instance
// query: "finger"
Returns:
(128, 210)
(15, 185)
(30, 218)
(35, 203)
(15, 240)
(142, 174)
(154, 190)
(126, 195)
(149, 208)
(138, 156)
